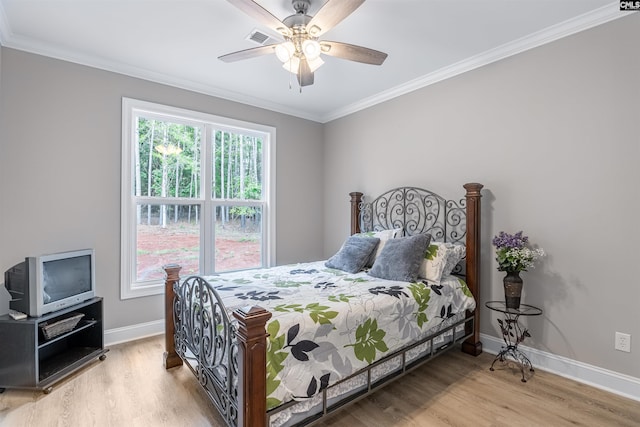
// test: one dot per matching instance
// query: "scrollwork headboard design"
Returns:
(422, 211)
(416, 211)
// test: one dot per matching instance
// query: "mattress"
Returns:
(328, 324)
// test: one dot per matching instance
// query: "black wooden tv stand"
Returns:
(30, 361)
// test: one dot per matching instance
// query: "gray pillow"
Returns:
(400, 258)
(353, 254)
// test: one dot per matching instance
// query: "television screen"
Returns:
(48, 283)
(63, 278)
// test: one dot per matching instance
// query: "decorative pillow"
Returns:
(353, 254)
(456, 253)
(384, 236)
(400, 258)
(440, 259)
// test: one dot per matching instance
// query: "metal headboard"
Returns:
(416, 211)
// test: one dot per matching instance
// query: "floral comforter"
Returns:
(328, 324)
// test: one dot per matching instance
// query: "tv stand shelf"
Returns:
(81, 325)
(28, 360)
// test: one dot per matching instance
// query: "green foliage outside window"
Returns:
(168, 163)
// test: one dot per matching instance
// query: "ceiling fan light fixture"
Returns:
(315, 63)
(301, 49)
(311, 49)
(313, 30)
(285, 51)
(292, 65)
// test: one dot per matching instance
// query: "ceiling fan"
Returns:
(300, 51)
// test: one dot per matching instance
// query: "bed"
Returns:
(289, 344)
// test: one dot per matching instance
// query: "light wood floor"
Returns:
(131, 388)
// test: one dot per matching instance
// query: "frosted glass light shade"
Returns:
(292, 65)
(284, 51)
(311, 49)
(315, 63)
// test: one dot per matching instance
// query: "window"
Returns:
(197, 190)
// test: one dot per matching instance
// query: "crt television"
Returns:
(47, 283)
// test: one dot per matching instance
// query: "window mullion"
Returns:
(165, 200)
(207, 251)
(139, 279)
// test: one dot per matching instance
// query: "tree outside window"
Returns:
(197, 196)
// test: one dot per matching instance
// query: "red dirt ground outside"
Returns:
(180, 245)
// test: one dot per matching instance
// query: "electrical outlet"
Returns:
(623, 342)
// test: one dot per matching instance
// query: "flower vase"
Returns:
(512, 289)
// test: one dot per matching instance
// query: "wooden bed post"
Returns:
(356, 199)
(172, 275)
(252, 366)
(472, 345)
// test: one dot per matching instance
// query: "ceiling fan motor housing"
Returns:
(298, 22)
(301, 6)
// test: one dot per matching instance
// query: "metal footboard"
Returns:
(205, 338)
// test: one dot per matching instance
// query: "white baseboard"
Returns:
(614, 382)
(133, 332)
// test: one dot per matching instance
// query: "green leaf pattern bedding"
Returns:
(328, 324)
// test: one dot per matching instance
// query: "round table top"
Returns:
(523, 310)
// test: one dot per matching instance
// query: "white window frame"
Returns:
(132, 108)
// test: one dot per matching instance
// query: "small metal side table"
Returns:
(513, 333)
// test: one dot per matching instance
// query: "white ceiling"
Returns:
(177, 42)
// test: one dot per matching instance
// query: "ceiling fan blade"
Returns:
(305, 75)
(353, 52)
(248, 53)
(330, 15)
(262, 15)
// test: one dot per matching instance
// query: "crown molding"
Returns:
(572, 26)
(5, 29)
(10, 40)
(580, 23)
(30, 46)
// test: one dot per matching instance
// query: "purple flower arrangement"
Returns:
(512, 252)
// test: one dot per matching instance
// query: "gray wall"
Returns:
(60, 132)
(553, 135)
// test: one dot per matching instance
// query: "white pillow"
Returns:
(383, 235)
(455, 255)
(439, 260)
